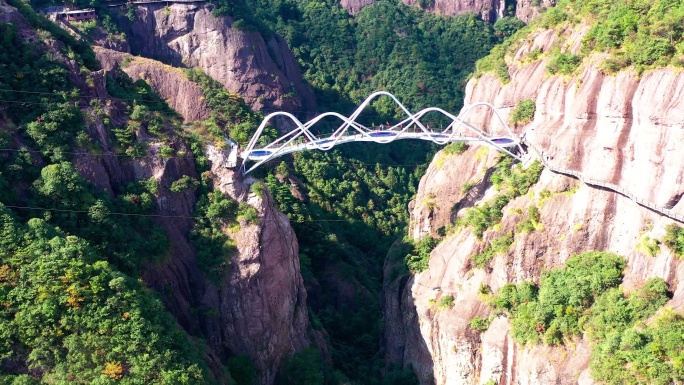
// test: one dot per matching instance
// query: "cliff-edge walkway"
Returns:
(610, 186)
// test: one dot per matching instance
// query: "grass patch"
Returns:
(456, 148)
(563, 63)
(531, 222)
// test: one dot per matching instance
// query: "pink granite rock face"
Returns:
(623, 129)
(489, 10)
(263, 72)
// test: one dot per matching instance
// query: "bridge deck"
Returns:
(382, 137)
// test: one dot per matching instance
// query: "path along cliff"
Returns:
(623, 129)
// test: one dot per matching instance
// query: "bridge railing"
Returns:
(610, 186)
(399, 131)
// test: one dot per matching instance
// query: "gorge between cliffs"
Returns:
(133, 251)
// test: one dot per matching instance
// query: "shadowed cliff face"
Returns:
(262, 300)
(258, 307)
(263, 72)
(621, 129)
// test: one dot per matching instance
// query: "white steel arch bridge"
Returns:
(302, 138)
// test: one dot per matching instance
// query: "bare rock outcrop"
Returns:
(263, 72)
(262, 300)
(489, 10)
(622, 129)
(354, 6)
(528, 10)
(184, 96)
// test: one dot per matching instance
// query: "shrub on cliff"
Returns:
(553, 312)
(497, 246)
(562, 63)
(230, 115)
(585, 297)
(674, 239)
(480, 324)
(419, 258)
(523, 112)
(512, 181)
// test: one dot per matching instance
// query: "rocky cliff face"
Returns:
(263, 72)
(184, 96)
(262, 300)
(489, 10)
(622, 129)
(527, 10)
(258, 307)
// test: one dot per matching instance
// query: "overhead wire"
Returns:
(192, 158)
(167, 215)
(264, 111)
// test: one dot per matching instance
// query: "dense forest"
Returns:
(74, 306)
(74, 309)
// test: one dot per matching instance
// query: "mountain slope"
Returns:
(617, 126)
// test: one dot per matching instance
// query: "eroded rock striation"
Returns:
(622, 129)
(489, 10)
(183, 95)
(263, 71)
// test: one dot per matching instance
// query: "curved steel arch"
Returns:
(286, 143)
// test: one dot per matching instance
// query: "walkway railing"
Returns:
(610, 186)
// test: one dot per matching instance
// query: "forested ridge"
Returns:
(74, 308)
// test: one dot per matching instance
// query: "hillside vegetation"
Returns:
(74, 307)
(632, 342)
(634, 33)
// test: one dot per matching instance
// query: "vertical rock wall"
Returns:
(263, 72)
(623, 129)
